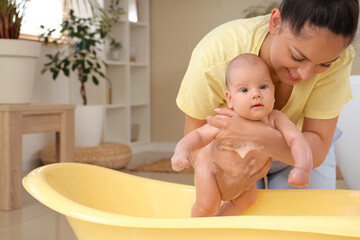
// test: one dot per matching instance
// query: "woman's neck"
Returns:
(282, 92)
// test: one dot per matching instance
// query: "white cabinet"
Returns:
(128, 112)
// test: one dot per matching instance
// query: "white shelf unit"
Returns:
(128, 114)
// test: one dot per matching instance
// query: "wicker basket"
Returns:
(107, 154)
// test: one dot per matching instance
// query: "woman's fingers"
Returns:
(228, 135)
(216, 121)
(263, 171)
(219, 120)
(226, 112)
(235, 185)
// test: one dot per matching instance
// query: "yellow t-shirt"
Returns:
(203, 87)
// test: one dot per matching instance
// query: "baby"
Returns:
(251, 95)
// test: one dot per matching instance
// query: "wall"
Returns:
(176, 28)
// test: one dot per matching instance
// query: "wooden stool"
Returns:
(16, 120)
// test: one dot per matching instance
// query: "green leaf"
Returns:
(95, 80)
(55, 74)
(66, 72)
(47, 64)
(66, 62)
(84, 79)
(102, 74)
(74, 66)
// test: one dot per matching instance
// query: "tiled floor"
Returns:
(37, 222)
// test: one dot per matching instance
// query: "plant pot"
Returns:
(115, 54)
(89, 123)
(18, 60)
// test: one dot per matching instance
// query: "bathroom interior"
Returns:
(172, 30)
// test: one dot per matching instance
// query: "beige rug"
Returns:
(162, 165)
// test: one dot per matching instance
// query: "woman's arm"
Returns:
(192, 124)
(250, 174)
(318, 133)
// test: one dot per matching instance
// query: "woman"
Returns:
(306, 45)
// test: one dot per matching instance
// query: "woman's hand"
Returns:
(235, 130)
(232, 186)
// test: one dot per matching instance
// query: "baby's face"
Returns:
(251, 92)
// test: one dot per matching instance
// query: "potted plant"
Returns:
(17, 57)
(83, 38)
(115, 48)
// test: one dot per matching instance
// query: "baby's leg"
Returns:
(208, 198)
(238, 205)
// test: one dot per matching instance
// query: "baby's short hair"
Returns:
(242, 60)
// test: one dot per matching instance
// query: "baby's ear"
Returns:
(228, 99)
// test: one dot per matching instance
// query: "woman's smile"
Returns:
(292, 77)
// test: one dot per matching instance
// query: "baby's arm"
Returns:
(195, 140)
(300, 149)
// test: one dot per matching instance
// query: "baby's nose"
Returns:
(256, 94)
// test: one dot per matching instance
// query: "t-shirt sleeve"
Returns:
(201, 91)
(332, 91)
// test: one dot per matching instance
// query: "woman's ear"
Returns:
(275, 21)
(228, 99)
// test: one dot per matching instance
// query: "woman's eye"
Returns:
(244, 90)
(296, 59)
(325, 65)
(263, 86)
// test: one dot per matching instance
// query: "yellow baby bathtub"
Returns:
(105, 204)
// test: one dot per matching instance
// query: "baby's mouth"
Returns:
(257, 105)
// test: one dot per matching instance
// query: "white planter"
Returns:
(89, 122)
(18, 60)
(115, 54)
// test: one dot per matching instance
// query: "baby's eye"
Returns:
(263, 86)
(244, 90)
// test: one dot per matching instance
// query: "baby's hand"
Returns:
(299, 177)
(179, 161)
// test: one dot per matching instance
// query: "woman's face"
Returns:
(297, 58)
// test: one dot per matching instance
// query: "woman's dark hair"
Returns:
(339, 16)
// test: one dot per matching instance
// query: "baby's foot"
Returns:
(299, 177)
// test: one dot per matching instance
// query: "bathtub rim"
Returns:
(331, 225)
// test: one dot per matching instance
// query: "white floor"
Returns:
(37, 222)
